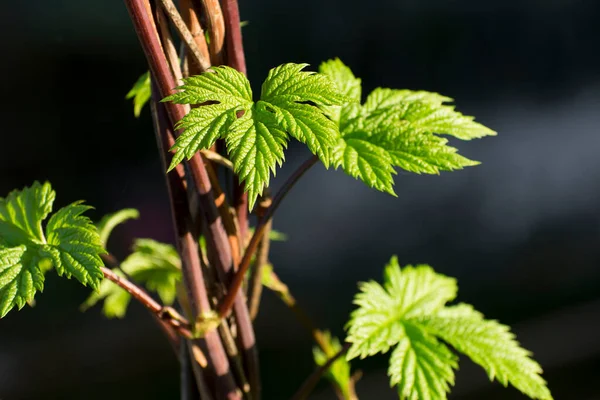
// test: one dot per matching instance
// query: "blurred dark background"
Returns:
(521, 232)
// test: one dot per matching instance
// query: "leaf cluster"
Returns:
(70, 244)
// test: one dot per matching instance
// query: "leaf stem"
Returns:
(163, 313)
(238, 279)
(255, 285)
(235, 59)
(310, 383)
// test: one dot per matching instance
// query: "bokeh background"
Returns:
(521, 232)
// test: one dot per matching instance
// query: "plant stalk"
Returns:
(238, 279)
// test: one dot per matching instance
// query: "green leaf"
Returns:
(76, 245)
(425, 113)
(421, 366)
(339, 372)
(140, 93)
(377, 324)
(396, 128)
(489, 344)
(116, 300)
(20, 276)
(256, 134)
(219, 84)
(110, 221)
(222, 92)
(291, 94)
(256, 144)
(26, 254)
(153, 264)
(22, 213)
(157, 265)
(342, 76)
(366, 161)
(409, 311)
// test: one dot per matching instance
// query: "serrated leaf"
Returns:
(110, 221)
(157, 266)
(339, 372)
(22, 213)
(23, 253)
(220, 84)
(424, 112)
(256, 143)
(76, 245)
(409, 311)
(366, 161)
(140, 93)
(384, 98)
(342, 76)
(395, 128)
(202, 126)
(377, 324)
(287, 90)
(26, 254)
(20, 276)
(489, 344)
(221, 92)
(421, 366)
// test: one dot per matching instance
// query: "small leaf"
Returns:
(141, 93)
(153, 264)
(339, 372)
(76, 245)
(342, 76)
(116, 300)
(22, 213)
(110, 221)
(157, 266)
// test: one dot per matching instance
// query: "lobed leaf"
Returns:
(110, 221)
(409, 311)
(395, 128)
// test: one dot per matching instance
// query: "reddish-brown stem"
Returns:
(235, 59)
(191, 265)
(238, 279)
(178, 322)
(255, 282)
(233, 38)
(310, 383)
